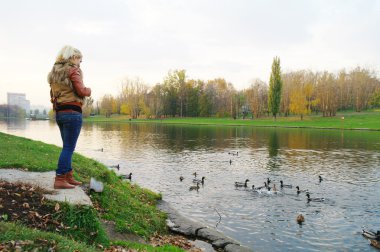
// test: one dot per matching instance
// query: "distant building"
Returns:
(19, 100)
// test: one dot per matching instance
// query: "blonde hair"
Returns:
(68, 52)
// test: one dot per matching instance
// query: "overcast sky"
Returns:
(232, 39)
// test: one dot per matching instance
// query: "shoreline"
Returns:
(368, 121)
(174, 221)
(183, 225)
(239, 125)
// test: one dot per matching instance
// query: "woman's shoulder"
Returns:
(73, 69)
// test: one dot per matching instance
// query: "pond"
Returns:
(158, 154)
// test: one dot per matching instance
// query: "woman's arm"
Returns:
(76, 79)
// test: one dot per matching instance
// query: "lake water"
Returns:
(157, 155)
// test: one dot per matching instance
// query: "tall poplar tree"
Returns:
(275, 87)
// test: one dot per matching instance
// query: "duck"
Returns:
(371, 234)
(300, 219)
(181, 178)
(230, 161)
(196, 187)
(267, 186)
(254, 189)
(320, 178)
(299, 191)
(285, 186)
(375, 243)
(242, 184)
(264, 186)
(116, 167)
(274, 188)
(233, 153)
(195, 174)
(201, 181)
(314, 199)
(268, 181)
(126, 176)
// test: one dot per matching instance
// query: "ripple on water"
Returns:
(157, 156)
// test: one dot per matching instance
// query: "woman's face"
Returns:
(76, 60)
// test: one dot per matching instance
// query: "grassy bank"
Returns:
(369, 120)
(129, 206)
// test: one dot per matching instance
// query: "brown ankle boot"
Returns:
(70, 179)
(61, 183)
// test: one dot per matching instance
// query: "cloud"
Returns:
(90, 27)
(232, 39)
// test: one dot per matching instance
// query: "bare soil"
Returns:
(26, 204)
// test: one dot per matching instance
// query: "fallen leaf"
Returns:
(56, 208)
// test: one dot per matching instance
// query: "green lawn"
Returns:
(369, 120)
(129, 206)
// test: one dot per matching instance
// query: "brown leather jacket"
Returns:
(66, 84)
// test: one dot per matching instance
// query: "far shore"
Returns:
(368, 120)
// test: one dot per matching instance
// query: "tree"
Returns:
(155, 101)
(106, 105)
(87, 106)
(180, 79)
(207, 95)
(132, 94)
(364, 84)
(327, 93)
(300, 88)
(298, 103)
(375, 99)
(257, 98)
(275, 87)
(193, 88)
(219, 90)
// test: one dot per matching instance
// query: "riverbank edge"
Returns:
(171, 122)
(237, 125)
(178, 223)
(170, 211)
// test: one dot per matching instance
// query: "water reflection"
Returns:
(273, 144)
(158, 154)
(16, 124)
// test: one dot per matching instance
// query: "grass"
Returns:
(16, 232)
(129, 206)
(12, 232)
(148, 248)
(82, 224)
(369, 120)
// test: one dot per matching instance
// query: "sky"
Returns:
(231, 39)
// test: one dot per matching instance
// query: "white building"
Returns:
(20, 100)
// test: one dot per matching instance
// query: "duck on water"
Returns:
(126, 176)
(201, 181)
(242, 184)
(299, 191)
(284, 185)
(196, 187)
(314, 199)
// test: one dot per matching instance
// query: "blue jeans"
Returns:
(70, 124)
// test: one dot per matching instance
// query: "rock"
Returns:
(221, 243)
(177, 222)
(236, 248)
(217, 238)
(45, 180)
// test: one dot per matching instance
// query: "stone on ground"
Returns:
(45, 180)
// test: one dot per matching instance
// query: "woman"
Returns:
(67, 93)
